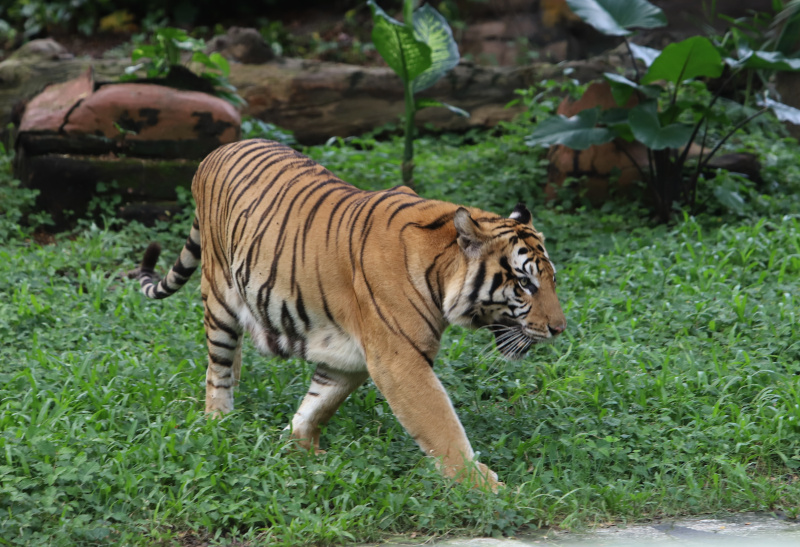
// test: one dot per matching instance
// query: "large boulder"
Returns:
(146, 139)
(597, 163)
(137, 119)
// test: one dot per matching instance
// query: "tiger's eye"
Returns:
(524, 282)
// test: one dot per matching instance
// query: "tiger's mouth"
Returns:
(512, 341)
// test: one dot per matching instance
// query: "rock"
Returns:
(596, 163)
(43, 49)
(244, 45)
(744, 163)
(67, 182)
(141, 112)
(49, 110)
(318, 100)
(138, 119)
(146, 138)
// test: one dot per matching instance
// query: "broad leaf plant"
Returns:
(660, 120)
(420, 51)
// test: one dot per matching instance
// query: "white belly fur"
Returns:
(335, 348)
(325, 343)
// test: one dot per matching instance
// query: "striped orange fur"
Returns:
(360, 283)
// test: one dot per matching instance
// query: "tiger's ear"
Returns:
(470, 236)
(521, 214)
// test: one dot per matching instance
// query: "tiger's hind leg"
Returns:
(329, 388)
(224, 340)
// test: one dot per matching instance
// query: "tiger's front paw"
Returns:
(300, 439)
(483, 478)
(477, 475)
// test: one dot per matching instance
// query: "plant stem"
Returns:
(730, 134)
(696, 176)
(748, 88)
(408, 150)
(699, 124)
(633, 59)
(408, 10)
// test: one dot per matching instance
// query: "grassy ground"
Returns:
(675, 389)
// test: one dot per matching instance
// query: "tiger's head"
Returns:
(509, 285)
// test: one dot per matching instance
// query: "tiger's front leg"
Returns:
(329, 388)
(421, 404)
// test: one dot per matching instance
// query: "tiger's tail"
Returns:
(177, 276)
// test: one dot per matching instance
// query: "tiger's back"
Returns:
(361, 283)
(287, 244)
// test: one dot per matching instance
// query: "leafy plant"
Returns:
(277, 36)
(765, 32)
(35, 16)
(420, 51)
(18, 217)
(161, 57)
(253, 128)
(665, 121)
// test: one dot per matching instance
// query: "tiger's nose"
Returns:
(555, 330)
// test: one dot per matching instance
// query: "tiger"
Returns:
(361, 283)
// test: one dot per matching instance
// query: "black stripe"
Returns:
(504, 232)
(436, 292)
(424, 355)
(287, 322)
(477, 282)
(497, 280)
(315, 208)
(325, 307)
(332, 214)
(439, 222)
(436, 332)
(301, 310)
(183, 271)
(163, 290)
(221, 361)
(193, 247)
(215, 323)
(222, 345)
(321, 378)
(401, 207)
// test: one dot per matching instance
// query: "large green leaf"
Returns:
(616, 119)
(432, 29)
(398, 46)
(645, 54)
(622, 88)
(616, 17)
(578, 132)
(783, 112)
(684, 60)
(647, 128)
(764, 60)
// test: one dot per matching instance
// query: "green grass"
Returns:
(675, 390)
